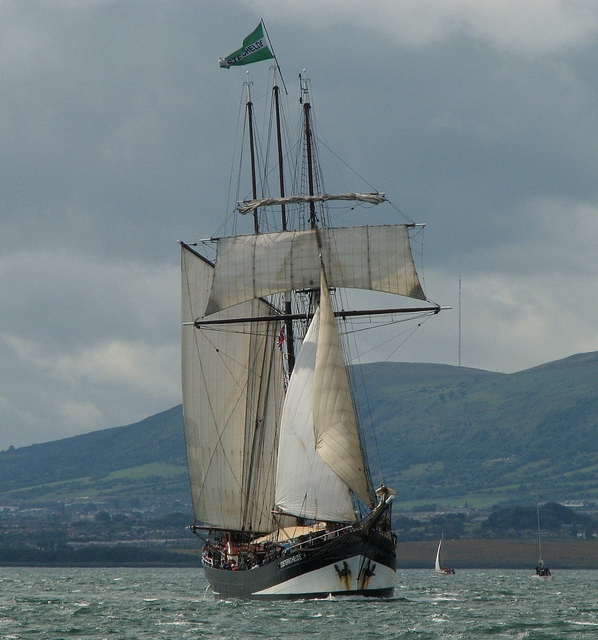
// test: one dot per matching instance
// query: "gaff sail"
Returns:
(233, 388)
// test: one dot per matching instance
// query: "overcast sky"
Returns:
(117, 133)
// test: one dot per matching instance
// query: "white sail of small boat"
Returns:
(281, 489)
(439, 564)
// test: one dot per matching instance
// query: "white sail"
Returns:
(233, 388)
(437, 564)
(305, 485)
(376, 258)
(337, 438)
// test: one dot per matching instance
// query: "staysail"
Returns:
(376, 258)
(337, 438)
(232, 396)
(306, 486)
(320, 456)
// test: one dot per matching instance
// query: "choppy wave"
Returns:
(175, 603)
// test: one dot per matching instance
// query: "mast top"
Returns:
(304, 88)
(248, 84)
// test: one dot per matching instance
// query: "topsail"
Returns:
(375, 258)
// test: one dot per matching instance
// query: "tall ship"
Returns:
(283, 496)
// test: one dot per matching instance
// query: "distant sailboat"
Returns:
(440, 570)
(542, 571)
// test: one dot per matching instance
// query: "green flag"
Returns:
(254, 49)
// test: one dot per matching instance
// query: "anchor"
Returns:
(344, 572)
(365, 573)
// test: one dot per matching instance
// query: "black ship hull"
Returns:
(359, 563)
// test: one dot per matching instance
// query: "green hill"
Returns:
(449, 432)
(142, 459)
(442, 434)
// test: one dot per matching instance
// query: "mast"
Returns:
(288, 323)
(283, 213)
(252, 154)
(459, 320)
(308, 134)
(539, 534)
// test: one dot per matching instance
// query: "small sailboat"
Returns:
(542, 571)
(439, 569)
(281, 488)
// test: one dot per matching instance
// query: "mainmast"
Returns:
(288, 323)
(249, 105)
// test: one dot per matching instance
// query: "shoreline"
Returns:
(101, 565)
(470, 553)
(475, 553)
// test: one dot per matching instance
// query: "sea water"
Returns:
(176, 603)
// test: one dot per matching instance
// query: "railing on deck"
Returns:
(327, 535)
(310, 542)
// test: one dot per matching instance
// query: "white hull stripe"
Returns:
(353, 574)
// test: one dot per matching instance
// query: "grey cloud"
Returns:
(118, 131)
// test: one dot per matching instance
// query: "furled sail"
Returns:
(232, 397)
(248, 206)
(337, 438)
(376, 258)
(305, 485)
